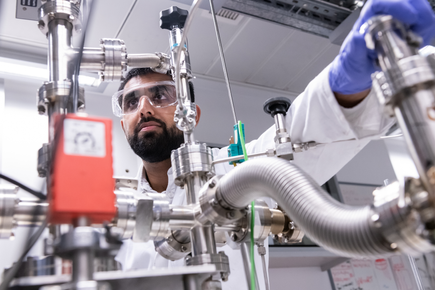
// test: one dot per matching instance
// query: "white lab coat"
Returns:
(314, 116)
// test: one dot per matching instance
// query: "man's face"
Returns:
(151, 132)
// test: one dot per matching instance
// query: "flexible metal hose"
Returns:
(339, 228)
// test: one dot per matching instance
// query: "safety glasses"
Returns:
(159, 95)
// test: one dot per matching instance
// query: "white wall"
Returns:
(310, 278)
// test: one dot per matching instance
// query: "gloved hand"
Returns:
(351, 70)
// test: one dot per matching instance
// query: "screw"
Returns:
(230, 214)
(393, 246)
(183, 248)
(71, 17)
(212, 183)
(233, 237)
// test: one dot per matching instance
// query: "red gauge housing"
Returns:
(82, 182)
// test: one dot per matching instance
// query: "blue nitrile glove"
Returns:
(351, 70)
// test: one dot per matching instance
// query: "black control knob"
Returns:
(173, 16)
(278, 105)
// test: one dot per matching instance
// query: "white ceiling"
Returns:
(264, 59)
(257, 52)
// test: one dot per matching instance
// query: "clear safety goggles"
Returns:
(159, 95)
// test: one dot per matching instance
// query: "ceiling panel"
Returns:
(202, 39)
(142, 32)
(292, 57)
(255, 44)
(324, 58)
(107, 18)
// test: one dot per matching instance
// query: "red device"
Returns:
(82, 182)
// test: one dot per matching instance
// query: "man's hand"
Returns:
(350, 73)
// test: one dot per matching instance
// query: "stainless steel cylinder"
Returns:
(8, 199)
(189, 159)
(29, 212)
(92, 59)
(82, 265)
(143, 60)
(59, 44)
(203, 242)
(115, 59)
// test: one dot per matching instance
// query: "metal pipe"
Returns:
(59, 44)
(83, 265)
(411, 115)
(238, 157)
(224, 64)
(92, 59)
(350, 231)
(190, 282)
(193, 185)
(279, 123)
(202, 239)
(30, 212)
(143, 60)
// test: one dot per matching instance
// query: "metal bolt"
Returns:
(393, 246)
(183, 248)
(71, 17)
(212, 183)
(233, 237)
(230, 214)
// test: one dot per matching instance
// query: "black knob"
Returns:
(173, 16)
(278, 105)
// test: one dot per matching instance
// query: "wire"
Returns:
(38, 194)
(78, 60)
(224, 64)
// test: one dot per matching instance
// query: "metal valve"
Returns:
(277, 108)
(173, 17)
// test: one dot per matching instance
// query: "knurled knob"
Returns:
(173, 17)
(278, 105)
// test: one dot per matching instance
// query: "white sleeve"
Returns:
(316, 116)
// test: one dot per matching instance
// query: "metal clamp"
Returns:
(59, 9)
(51, 92)
(8, 200)
(115, 59)
(191, 158)
(220, 260)
(174, 247)
(212, 208)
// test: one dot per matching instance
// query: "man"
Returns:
(336, 106)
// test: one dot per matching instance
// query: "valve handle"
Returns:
(173, 17)
(278, 105)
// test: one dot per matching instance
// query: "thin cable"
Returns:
(38, 194)
(192, 10)
(266, 278)
(224, 64)
(126, 18)
(76, 89)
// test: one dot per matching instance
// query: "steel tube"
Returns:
(29, 212)
(202, 239)
(59, 44)
(412, 116)
(92, 59)
(193, 185)
(143, 60)
(83, 265)
(346, 230)
(279, 123)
